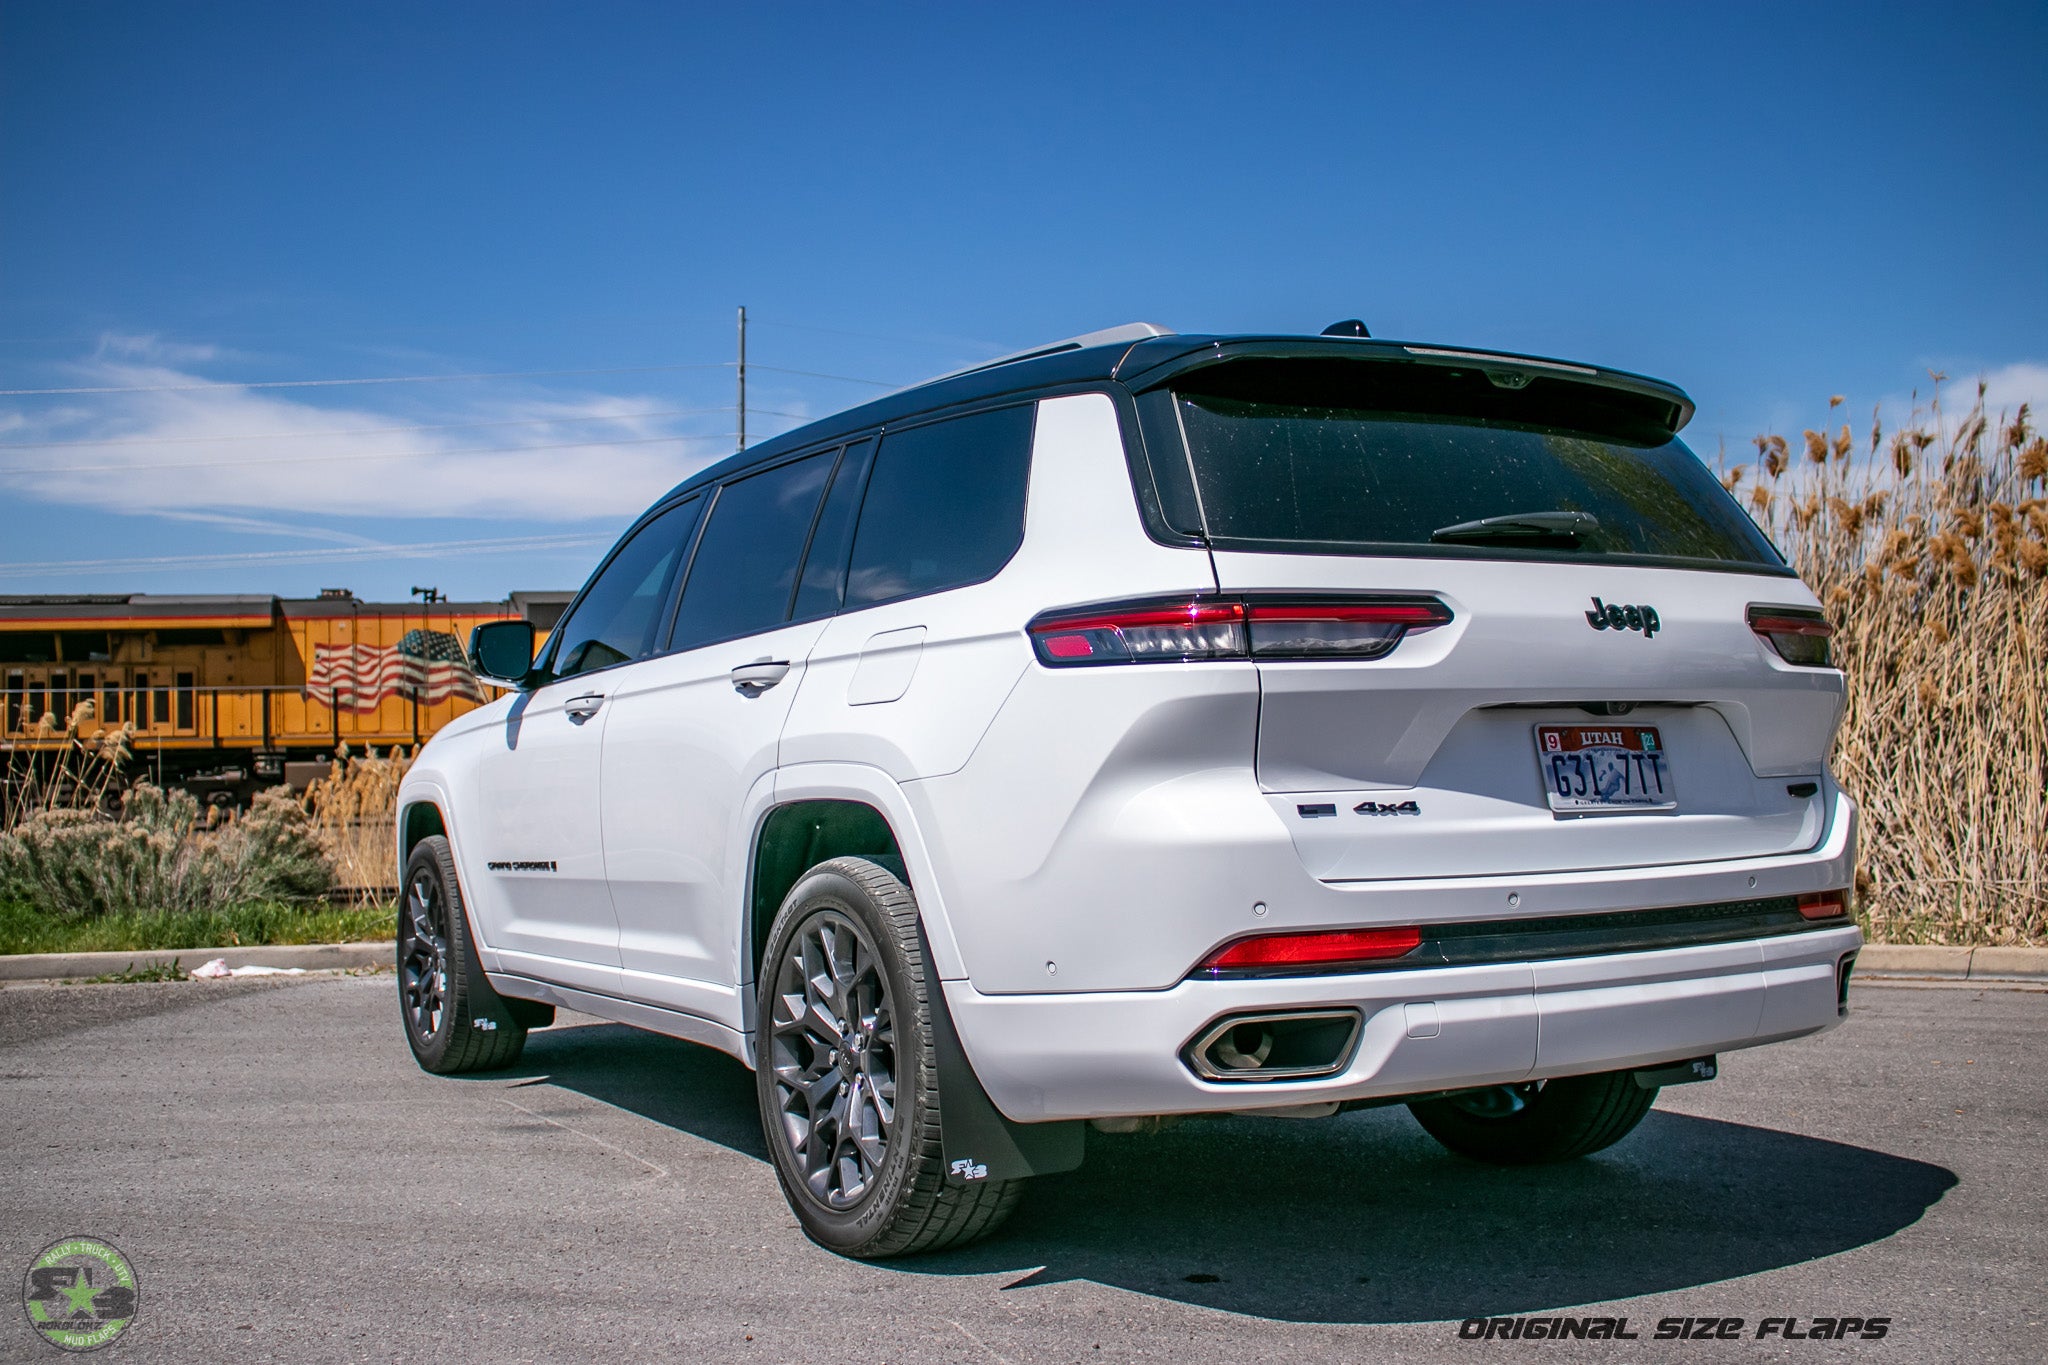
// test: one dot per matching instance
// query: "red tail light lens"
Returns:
(1281, 953)
(1824, 904)
(1141, 633)
(1219, 628)
(1799, 634)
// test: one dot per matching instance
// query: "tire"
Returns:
(454, 1021)
(1540, 1121)
(853, 1132)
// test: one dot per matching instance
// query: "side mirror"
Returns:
(502, 651)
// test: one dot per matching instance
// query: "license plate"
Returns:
(1590, 768)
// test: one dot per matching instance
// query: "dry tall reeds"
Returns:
(355, 810)
(1929, 547)
(76, 765)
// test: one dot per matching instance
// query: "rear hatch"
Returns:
(1597, 698)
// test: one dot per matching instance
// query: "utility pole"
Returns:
(743, 377)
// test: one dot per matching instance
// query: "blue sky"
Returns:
(1766, 204)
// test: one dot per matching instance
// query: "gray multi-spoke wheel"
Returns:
(846, 1074)
(1538, 1121)
(423, 953)
(833, 1045)
(454, 1021)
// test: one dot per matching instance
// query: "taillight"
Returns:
(1279, 954)
(1191, 629)
(1799, 634)
(1824, 904)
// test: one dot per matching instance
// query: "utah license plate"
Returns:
(1590, 768)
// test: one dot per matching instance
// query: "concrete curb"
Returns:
(1907, 960)
(313, 957)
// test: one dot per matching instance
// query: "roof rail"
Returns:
(1108, 336)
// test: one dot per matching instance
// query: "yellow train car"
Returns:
(227, 694)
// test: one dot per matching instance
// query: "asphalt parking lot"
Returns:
(289, 1185)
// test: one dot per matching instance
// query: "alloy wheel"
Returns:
(833, 1053)
(423, 955)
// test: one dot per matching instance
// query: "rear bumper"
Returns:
(1117, 1053)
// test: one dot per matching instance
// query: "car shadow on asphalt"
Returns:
(1357, 1219)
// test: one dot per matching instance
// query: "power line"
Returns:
(368, 431)
(366, 455)
(813, 374)
(328, 554)
(385, 379)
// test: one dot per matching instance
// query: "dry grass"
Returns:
(82, 772)
(1929, 546)
(355, 811)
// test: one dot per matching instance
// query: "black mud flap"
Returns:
(979, 1142)
(1678, 1073)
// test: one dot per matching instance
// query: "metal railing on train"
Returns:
(183, 715)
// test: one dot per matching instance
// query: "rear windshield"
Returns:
(1336, 468)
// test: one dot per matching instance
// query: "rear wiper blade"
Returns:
(1534, 526)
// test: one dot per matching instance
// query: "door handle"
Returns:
(751, 680)
(582, 708)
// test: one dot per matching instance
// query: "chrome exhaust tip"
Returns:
(1293, 1045)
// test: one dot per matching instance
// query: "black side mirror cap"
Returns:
(502, 652)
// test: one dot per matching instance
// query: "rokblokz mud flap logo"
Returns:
(79, 1293)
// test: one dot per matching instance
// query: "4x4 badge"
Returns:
(1612, 616)
(1387, 808)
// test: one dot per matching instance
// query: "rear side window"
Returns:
(621, 610)
(825, 563)
(1343, 458)
(944, 507)
(745, 568)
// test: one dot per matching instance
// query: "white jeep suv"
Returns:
(1156, 725)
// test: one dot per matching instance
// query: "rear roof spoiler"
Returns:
(1149, 367)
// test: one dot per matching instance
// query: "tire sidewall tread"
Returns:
(913, 1207)
(460, 1046)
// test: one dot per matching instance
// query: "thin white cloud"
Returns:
(578, 456)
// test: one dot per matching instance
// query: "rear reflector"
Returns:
(1279, 954)
(1798, 634)
(1824, 904)
(1193, 629)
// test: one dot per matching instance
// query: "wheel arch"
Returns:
(796, 836)
(417, 820)
(862, 812)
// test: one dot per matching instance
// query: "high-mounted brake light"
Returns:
(1280, 954)
(1799, 634)
(1190, 629)
(1824, 904)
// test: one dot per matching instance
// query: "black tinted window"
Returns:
(745, 569)
(825, 564)
(944, 507)
(1315, 468)
(622, 609)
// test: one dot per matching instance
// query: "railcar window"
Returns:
(27, 646)
(623, 606)
(745, 569)
(185, 717)
(36, 705)
(110, 702)
(13, 713)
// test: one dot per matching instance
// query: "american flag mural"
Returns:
(427, 664)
